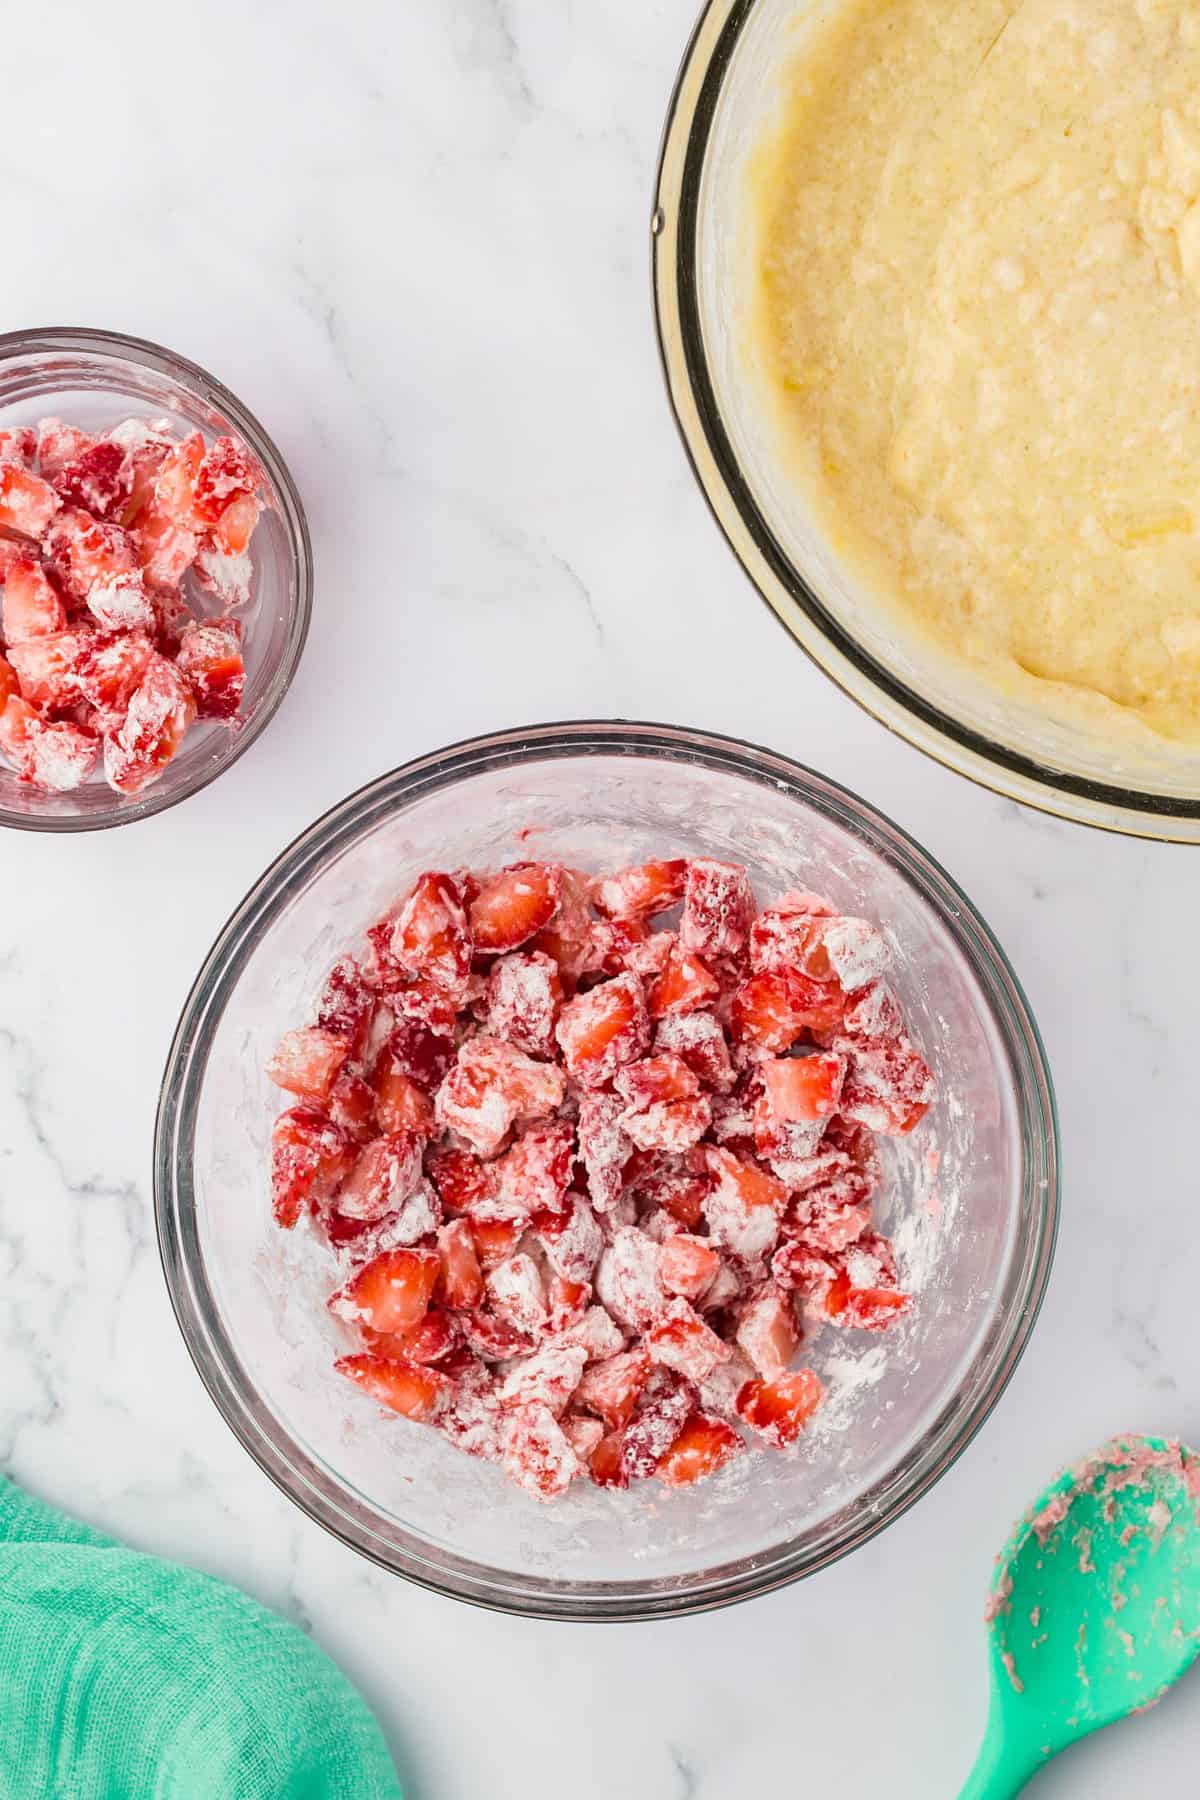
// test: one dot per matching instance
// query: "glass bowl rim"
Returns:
(942, 1439)
(93, 341)
(674, 227)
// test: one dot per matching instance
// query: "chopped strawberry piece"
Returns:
(435, 1339)
(229, 579)
(603, 1029)
(787, 938)
(704, 1445)
(225, 472)
(686, 1265)
(566, 1302)
(346, 1006)
(32, 605)
(665, 1110)
(683, 1342)
(47, 668)
(400, 1105)
(606, 1464)
(490, 1087)
(310, 1155)
(462, 1279)
(583, 1434)
(524, 993)
(392, 1293)
(889, 1086)
(767, 1332)
(235, 527)
(27, 503)
(8, 683)
(495, 1240)
(663, 1408)
(386, 1173)
(403, 1386)
(108, 670)
(804, 1088)
(744, 1207)
(697, 1038)
(352, 1105)
(548, 1378)
(599, 1334)
(611, 1388)
(684, 986)
(870, 1309)
(656, 1078)
(857, 953)
(18, 445)
(210, 655)
(159, 714)
(680, 1184)
(57, 445)
(429, 1005)
(780, 1409)
(571, 1239)
(772, 1010)
(513, 906)
(874, 1012)
(533, 1176)
(536, 1453)
(464, 1183)
(429, 938)
(627, 1280)
(307, 1061)
(97, 479)
(718, 907)
(494, 1339)
(639, 893)
(86, 553)
(423, 1055)
(167, 537)
(565, 939)
(616, 946)
(830, 1217)
(604, 1148)
(517, 1294)
(50, 754)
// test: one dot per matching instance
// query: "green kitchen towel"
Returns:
(126, 1678)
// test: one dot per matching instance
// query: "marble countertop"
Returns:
(414, 239)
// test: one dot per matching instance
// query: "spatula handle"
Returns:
(1001, 1769)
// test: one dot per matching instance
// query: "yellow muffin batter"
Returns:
(979, 304)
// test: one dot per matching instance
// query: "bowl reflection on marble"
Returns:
(975, 1239)
(94, 379)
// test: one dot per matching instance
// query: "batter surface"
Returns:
(979, 306)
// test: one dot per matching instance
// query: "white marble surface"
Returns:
(414, 238)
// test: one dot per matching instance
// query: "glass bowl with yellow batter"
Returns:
(928, 288)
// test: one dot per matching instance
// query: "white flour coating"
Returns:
(880, 1390)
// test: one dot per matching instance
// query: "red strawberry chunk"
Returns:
(604, 1149)
(697, 1038)
(599, 1334)
(547, 1378)
(514, 906)
(767, 1332)
(687, 1265)
(603, 1029)
(825, 1219)
(533, 1176)
(50, 754)
(656, 1078)
(704, 1445)
(309, 1157)
(639, 893)
(857, 952)
(787, 937)
(98, 479)
(405, 1387)
(780, 1409)
(229, 579)
(464, 1182)
(490, 1087)
(210, 655)
(889, 1086)
(428, 1004)
(390, 1294)
(27, 503)
(225, 472)
(423, 1055)
(619, 947)
(18, 445)
(86, 553)
(306, 1062)
(8, 683)
(108, 670)
(606, 1464)
(718, 907)
(679, 1184)
(429, 938)
(583, 1434)
(346, 1006)
(663, 1408)
(32, 605)
(494, 1339)
(400, 1105)
(524, 993)
(572, 1240)
(517, 1294)
(462, 1279)
(352, 1105)
(744, 1206)
(385, 1175)
(611, 1388)
(683, 1342)
(685, 985)
(536, 1453)
(47, 668)
(235, 527)
(153, 729)
(627, 1279)
(57, 445)
(665, 1110)
(435, 1339)
(770, 1011)
(874, 1012)
(495, 1240)
(804, 1088)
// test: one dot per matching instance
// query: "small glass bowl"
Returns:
(704, 257)
(975, 1239)
(95, 379)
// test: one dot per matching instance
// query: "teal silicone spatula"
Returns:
(1095, 1606)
